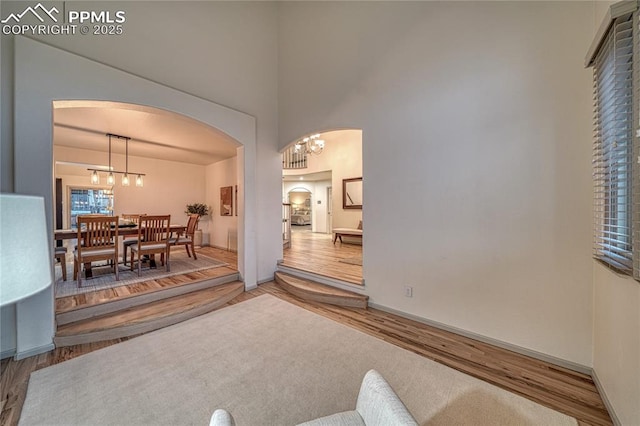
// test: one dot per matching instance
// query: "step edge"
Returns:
(348, 294)
(146, 326)
(323, 298)
(104, 308)
(233, 287)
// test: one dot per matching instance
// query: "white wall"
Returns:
(224, 52)
(168, 185)
(476, 120)
(616, 342)
(222, 230)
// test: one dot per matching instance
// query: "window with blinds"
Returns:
(613, 78)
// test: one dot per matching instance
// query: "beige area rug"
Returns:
(103, 276)
(269, 363)
(352, 260)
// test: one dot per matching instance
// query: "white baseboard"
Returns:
(605, 399)
(8, 353)
(491, 341)
(35, 351)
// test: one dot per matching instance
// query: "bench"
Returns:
(347, 232)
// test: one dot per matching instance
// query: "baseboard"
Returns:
(8, 353)
(35, 351)
(223, 248)
(605, 399)
(491, 341)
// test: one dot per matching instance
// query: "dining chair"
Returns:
(61, 256)
(97, 240)
(153, 238)
(128, 242)
(187, 239)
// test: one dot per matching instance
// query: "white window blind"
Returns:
(613, 76)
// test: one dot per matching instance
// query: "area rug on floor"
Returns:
(103, 277)
(268, 362)
(352, 260)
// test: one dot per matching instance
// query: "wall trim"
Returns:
(8, 353)
(35, 351)
(605, 399)
(491, 341)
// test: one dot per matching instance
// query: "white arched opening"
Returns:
(44, 74)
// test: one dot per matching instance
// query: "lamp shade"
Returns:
(25, 258)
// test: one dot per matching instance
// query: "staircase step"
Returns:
(316, 292)
(99, 307)
(147, 317)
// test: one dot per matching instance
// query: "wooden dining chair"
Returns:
(60, 254)
(187, 239)
(128, 242)
(97, 240)
(153, 238)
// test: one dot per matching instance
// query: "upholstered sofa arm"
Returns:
(378, 404)
(221, 417)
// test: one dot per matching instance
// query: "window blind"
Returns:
(613, 145)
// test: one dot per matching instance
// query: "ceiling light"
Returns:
(310, 144)
(95, 178)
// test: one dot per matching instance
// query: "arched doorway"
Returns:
(36, 88)
(320, 173)
(301, 212)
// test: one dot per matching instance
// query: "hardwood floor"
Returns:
(314, 252)
(558, 388)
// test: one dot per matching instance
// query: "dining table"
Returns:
(123, 230)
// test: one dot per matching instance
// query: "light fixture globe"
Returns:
(310, 144)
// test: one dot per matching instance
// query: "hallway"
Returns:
(315, 252)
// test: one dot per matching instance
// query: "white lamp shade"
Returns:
(25, 257)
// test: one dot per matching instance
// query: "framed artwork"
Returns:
(235, 200)
(226, 201)
(352, 193)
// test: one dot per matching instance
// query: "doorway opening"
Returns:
(313, 177)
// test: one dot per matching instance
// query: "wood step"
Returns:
(316, 292)
(95, 305)
(78, 301)
(147, 317)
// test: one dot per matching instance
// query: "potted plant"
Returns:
(201, 210)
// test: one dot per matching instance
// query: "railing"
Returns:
(286, 225)
(292, 159)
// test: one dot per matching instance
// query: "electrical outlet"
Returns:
(408, 291)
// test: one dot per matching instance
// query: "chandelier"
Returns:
(310, 145)
(95, 177)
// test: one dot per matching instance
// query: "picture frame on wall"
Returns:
(226, 201)
(235, 200)
(352, 193)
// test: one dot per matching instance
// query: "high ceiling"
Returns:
(154, 133)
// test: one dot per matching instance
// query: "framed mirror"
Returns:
(352, 193)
